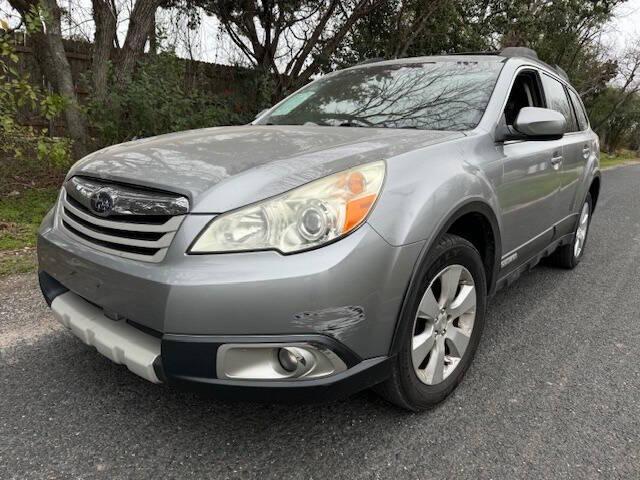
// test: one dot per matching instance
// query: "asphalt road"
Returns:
(554, 392)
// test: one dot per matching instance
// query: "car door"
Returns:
(577, 147)
(528, 193)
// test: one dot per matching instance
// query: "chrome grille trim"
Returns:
(170, 226)
(124, 200)
(119, 245)
(164, 241)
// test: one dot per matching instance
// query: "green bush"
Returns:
(156, 101)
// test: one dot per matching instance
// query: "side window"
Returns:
(578, 107)
(524, 93)
(557, 100)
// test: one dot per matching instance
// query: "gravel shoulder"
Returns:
(25, 317)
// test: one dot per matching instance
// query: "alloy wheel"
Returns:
(581, 232)
(443, 324)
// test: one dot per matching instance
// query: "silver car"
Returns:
(350, 237)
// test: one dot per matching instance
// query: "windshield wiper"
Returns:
(351, 124)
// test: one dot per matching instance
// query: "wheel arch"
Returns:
(484, 217)
(594, 190)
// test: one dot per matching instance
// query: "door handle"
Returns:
(556, 161)
(586, 151)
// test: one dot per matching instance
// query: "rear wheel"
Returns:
(441, 326)
(569, 256)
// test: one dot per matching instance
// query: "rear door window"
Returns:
(557, 100)
(583, 121)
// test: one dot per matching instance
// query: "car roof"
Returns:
(470, 57)
(520, 55)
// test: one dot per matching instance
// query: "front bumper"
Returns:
(351, 290)
(186, 360)
(346, 295)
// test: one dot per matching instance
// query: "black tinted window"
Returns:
(583, 121)
(430, 96)
(557, 100)
(524, 93)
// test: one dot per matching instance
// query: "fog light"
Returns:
(276, 361)
(289, 360)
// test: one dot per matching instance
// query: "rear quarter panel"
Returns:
(591, 171)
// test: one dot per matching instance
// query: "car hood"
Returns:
(223, 168)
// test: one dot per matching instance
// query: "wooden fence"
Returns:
(237, 83)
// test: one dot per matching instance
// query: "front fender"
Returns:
(423, 190)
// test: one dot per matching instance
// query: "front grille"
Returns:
(153, 219)
(128, 236)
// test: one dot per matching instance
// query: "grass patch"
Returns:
(618, 158)
(18, 262)
(20, 216)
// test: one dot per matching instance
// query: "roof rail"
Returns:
(529, 53)
(482, 52)
(519, 52)
(561, 72)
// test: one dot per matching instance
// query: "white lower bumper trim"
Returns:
(116, 340)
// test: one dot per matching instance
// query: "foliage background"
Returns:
(135, 85)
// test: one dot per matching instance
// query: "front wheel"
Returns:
(441, 326)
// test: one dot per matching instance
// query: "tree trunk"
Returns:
(105, 22)
(76, 125)
(142, 17)
(153, 37)
(49, 51)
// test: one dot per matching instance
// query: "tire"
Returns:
(416, 384)
(569, 256)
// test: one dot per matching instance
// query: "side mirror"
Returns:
(540, 123)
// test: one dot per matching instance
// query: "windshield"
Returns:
(428, 96)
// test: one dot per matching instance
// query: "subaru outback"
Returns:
(348, 238)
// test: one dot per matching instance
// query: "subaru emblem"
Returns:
(101, 203)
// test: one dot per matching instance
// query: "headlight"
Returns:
(303, 218)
